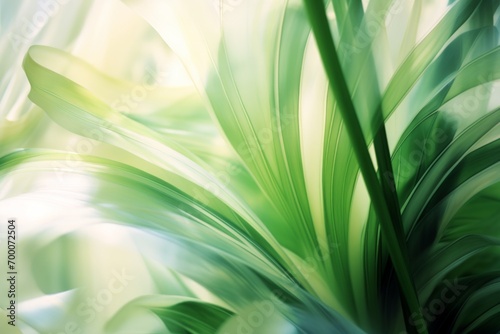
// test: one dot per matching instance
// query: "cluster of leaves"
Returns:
(328, 170)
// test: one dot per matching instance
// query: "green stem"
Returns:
(388, 184)
(395, 243)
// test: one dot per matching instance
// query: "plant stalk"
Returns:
(396, 245)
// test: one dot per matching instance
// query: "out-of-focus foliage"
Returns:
(183, 166)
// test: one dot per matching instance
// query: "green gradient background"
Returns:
(183, 166)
